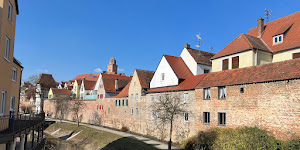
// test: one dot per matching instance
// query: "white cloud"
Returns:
(98, 70)
(121, 70)
(42, 70)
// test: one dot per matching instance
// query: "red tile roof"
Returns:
(201, 57)
(288, 25)
(115, 76)
(179, 67)
(145, 77)
(46, 80)
(281, 25)
(82, 76)
(123, 93)
(61, 91)
(242, 43)
(189, 83)
(89, 85)
(109, 84)
(256, 74)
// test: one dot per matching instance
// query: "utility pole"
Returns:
(267, 13)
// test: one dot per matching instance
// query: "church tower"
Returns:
(112, 67)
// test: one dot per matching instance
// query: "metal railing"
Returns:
(12, 124)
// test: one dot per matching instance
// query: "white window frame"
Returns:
(185, 97)
(186, 117)
(222, 92)
(9, 12)
(3, 97)
(207, 94)
(14, 74)
(7, 48)
(136, 96)
(277, 37)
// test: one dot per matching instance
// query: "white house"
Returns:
(87, 88)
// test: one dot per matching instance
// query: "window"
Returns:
(152, 115)
(206, 117)
(151, 98)
(14, 74)
(278, 39)
(186, 117)
(225, 64)
(206, 70)
(242, 90)
(119, 102)
(158, 115)
(136, 96)
(126, 102)
(116, 102)
(123, 102)
(158, 98)
(137, 111)
(50, 96)
(75, 88)
(131, 111)
(235, 62)
(162, 76)
(131, 97)
(222, 92)
(101, 96)
(12, 103)
(185, 97)
(108, 109)
(206, 93)
(296, 55)
(221, 119)
(3, 102)
(9, 12)
(7, 49)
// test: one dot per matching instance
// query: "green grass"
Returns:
(91, 138)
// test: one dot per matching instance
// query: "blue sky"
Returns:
(71, 37)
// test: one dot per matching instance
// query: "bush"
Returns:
(240, 138)
(124, 129)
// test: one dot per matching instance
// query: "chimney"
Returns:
(122, 74)
(260, 27)
(187, 46)
(116, 84)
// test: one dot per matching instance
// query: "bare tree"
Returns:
(62, 107)
(167, 109)
(32, 79)
(77, 107)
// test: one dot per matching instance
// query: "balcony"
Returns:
(18, 124)
(91, 97)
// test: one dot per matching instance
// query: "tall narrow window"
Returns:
(131, 111)
(206, 93)
(126, 102)
(3, 102)
(131, 97)
(206, 118)
(9, 12)
(185, 98)
(186, 117)
(162, 76)
(222, 92)
(158, 115)
(225, 64)
(7, 49)
(152, 115)
(123, 102)
(221, 119)
(116, 102)
(151, 98)
(158, 98)
(14, 74)
(235, 62)
(136, 96)
(137, 111)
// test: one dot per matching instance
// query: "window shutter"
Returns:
(296, 55)
(225, 64)
(235, 62)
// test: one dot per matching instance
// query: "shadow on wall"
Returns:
(128, 143)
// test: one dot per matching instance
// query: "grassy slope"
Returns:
(94, 139)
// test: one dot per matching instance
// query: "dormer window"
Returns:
(278, 39)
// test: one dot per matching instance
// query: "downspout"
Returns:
(20, 88)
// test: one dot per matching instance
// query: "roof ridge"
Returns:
(246, 38)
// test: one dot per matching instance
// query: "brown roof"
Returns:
(115, 76)
(46, 80)
(89, 85)
(189, 83)
(124, 92)
(242, 43)
(82, 76)
(289, 25)
(201, 57)
(263, 73)
(30, 92)
(109, 84)
(145, 77)
(179, 67)
(61, 91)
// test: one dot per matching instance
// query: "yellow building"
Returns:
(275, 41)
(55, 92)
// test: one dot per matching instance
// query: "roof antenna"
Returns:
(211, 49)
(199, 41)
(267, 13)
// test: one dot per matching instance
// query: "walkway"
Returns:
(154, 143)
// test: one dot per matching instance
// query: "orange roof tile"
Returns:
(89, 85)
(263, 73)
(179, 67)
(82, 76)
(201, 57)
(115, 76)
(123, 93)
(109, 84)
(61, 91)
(145, 77)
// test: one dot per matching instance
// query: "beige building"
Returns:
(275, 41)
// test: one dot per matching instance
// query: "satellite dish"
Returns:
(198, 36)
